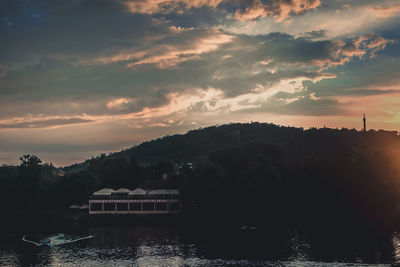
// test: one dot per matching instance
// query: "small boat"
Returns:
(55, 240)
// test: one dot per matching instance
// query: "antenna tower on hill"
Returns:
(365, 123)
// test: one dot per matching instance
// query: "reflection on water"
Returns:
(396, 247)
(172, 246)
(8, 257)
(299, 246)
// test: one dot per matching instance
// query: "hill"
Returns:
(296, 143)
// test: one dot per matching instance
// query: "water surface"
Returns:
(173, 245)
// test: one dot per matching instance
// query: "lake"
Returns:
(191, 244)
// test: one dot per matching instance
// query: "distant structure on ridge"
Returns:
(365, 122)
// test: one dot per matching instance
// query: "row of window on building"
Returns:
(146, 206)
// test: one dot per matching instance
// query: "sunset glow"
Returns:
(80, 78)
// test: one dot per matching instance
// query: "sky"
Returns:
(83, 77)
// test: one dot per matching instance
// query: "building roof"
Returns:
(104, 191)
(164, 192)
(138, 191)
(122, 190)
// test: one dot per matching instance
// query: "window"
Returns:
(95, 206)
(122, 206)
(148, 206)
(109, 207)
(136, 206)
(161, 206)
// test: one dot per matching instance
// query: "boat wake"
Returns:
(56, 240)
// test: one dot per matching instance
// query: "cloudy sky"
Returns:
(82, 77)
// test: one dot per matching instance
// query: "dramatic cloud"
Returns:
(166, 6)
(333, 18)
(245, 9)
(99, 76)
(325, 53)
(166, 55)
(279, 9)
(387, 11)
(71, 30)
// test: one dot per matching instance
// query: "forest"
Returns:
(253, 172)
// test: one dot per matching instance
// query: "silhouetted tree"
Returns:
(30, 161)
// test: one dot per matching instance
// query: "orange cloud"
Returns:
(179, 104)
(119, 103)
(164, 6)
(212, 101)
(170, 55)
(363, 46)
(386, 11)
(280, 9)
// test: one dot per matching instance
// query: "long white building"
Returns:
(138, 201)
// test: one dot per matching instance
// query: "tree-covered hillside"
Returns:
(295, 142)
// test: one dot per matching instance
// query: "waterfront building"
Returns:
(138, 201)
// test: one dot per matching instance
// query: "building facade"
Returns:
(138, 201)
